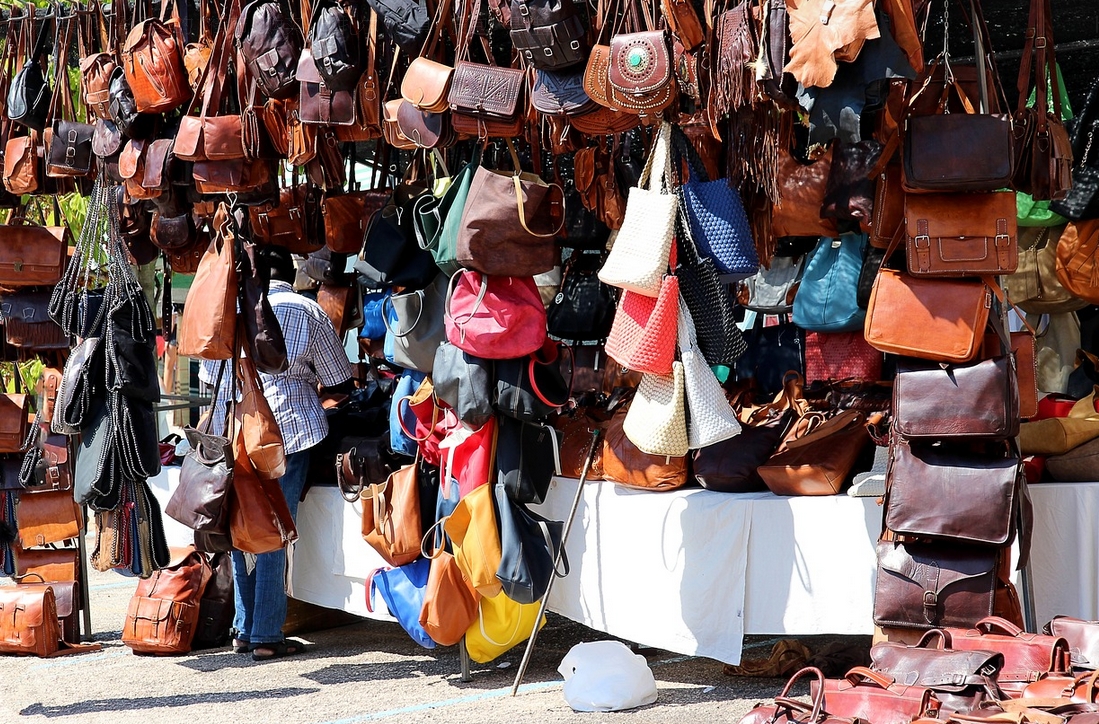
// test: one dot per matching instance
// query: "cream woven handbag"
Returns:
(710, 417)
(657, 419)
(641, 251)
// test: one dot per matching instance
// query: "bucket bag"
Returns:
(495, 317)
(827, 299)
(656, 422)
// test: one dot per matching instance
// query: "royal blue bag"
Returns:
(718, 221)
(402, 589)
(407, 384)
(827, 300)
(374, 315)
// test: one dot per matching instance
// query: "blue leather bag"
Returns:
(402, 589)
(827, 300)
(407, 384)
(374, 326)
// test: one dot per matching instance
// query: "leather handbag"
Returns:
(29, 624)
(924, 585)
(152, 59)
(29, 94)
(259, 516)
(820, 461)
(772, 289)
(343, 304)
(976, 400)
(841, 356)
(656, 422)
(773, 352)
(584, 307)
(1035, 286)
(293, 222)
(207, 327)
(1082, 637)
(47, 517)
(624, 464)
(96, 67)
(960, 680)
(317, 103)
(163, 613)
(123, 109)
(561, 93)
(940, 320)
(450, 603)
(335, 45)
(27, 324)
(889, 200)
(801, 191)
(201, 500)
(642, 334)
(14, 409)
(494, 317)
(475, 538)
(31, 255)
(530, 388)
(509, 223)
(70, 148)
(437, 221)
(391, 517)
(415, 323)
(787, 710)
(548, 35)
(641, 70)
(868, 695)
(1027, 656)
(407, 22)
(21, 165)
(958, 235)
(1082, 201)
(260, 430)
(642, 249)
(1077, 265)
(730, 466)
(426, 84)
(1080, 689)
(346, 217)
(403, 588)
(827, 299)
(269, 45)
(529, 549)
(941, 493)
(464, 383)
(710, 417)
(527, 458)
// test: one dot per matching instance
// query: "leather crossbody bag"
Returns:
(485, 100)
(958, 235)
(975, 400)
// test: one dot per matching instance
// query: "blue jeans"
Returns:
(260, 596)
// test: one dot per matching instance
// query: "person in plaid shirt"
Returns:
(316, 360)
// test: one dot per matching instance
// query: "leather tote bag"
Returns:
(643, 333)
(464, 383)
(656, 422)
(262, 438)
(959, 235)
(415, 324)
(939, 320)
(475, 538)
(940, 493)
(710, 417)
(259, 517)
(641, 251)
(977, 400)
(730, 466)
(624, 464)
(391, 517)
(800, 197)
(827, 300)
(923, 585)
(201, 500)
(152, 60)
(529, 546)
(495, 317)
(206, 328)
(821, 461)
(403, 588)
(868, 695)
(450, 603)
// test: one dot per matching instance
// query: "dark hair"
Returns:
(278, 261)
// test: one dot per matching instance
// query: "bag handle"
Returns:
(991, 624)
(511, 637)
(533, 364)
(862, 673)
(476, 303)
(385, 317)
(935, 633)
(517, 180)
(816, 707)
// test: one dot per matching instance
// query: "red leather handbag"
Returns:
(876, 697)
(841, 356)
(1027, 657)
(494, 317)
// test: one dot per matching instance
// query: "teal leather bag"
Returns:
(827, 300)
(439, 219)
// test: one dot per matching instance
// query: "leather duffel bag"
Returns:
(1027, 656)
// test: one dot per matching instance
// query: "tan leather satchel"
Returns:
(206, 329)
(1077, 265)
(29, 624)
(391, 517)
(21, 164)
(163, 613)
(262, 438)
(958, 235)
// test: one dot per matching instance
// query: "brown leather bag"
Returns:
(346, 217)
(14, 408)
(163, 613)
(152, 60)
(259, 517)
(426, 84)
(819, 461)
(888, 215)
(32, 255)
(28, 621)
(598, 87)
(958, 235)
(319, 104)
(96, 67)
(801, 196)
(450, 603)
(646, 87)
(1080, 689)
(208, 323)
(1077, 261)
(872, 696)
(976, 400)
(21, 164)
(291, 223)
(235, 176)
(391, 517)
(624, 464)
(787, 710)
(47, 517)
(343, 305)
(60, 568)
(487, 100)
(937, 319)
(1082, 637)
(70, 147)
(1027, 656)
(263, 441)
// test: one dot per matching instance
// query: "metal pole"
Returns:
(463, 657)
(85, 591)
(557, 561)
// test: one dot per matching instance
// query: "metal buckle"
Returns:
(1002, 240)
(548, 52)
(923, 240)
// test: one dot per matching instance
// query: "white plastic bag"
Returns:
(606, 676)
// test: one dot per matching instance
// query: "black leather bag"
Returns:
(465, 383)
(131, 354)
(709, 300)
(336, 46)
(560, 93)
(216, 608)
(262, 332)
(29, 95)
(730, 465)
(391, 254)
(772, 352)
(583, 310)
(1082, 201)
(95, 458)
(270, 46)
(123, 110)
(527, 458)
(529, 389)
(529, 545)
(406, 22)
(549, 34)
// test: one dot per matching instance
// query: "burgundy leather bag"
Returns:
(975, 400)
(1027, 656)
(787, 710)
(876, 697)
(1082, 637)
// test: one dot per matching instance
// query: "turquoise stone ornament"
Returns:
(636, 57)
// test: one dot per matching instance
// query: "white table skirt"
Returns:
(692, 571)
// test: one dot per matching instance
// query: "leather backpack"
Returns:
(29, 95)
(336, 44)
(549, 34)
(152, 58)
(406, 22)
(122, 109)
(216, 608)
(268, 45)
(164, 610)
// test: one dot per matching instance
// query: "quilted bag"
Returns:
(656, 422)
(710, 417)
(841, 356)
(640, 253)
(643, 335)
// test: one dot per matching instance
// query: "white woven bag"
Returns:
(639, 258)
(710, 417)
(657, 419)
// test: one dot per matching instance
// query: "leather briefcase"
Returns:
(975, 400)
(787, 710)
(876, 697)
(1082, 637)
(937, 319)
(1026, 367)
(940, 493)
(1027, 656)
(32, 255)
(28, 620)
(958, 235)
(923, 585)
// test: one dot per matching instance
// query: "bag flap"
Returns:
(940, 669)
(307, 69)
(188, 136)
(486, 89)
(222, 173)
(639, 62)
(157, 163)
(34, 599)
(33, 246)
(106, 139)
(129, 161)
(151, 609)
(26, 307)
(223, 137)
(65, 597)
(960, 215)
(426, 82)
(934, 572)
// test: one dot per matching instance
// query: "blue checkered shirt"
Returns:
(316, 355)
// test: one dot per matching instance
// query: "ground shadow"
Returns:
(98, 706)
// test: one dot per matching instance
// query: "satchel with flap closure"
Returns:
(1082, 637)
(1027, 656)
(957, 235)
(875, 697)
(977, 400)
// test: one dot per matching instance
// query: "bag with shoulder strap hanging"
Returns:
(407, 22)
(1082, 201)
(548, 35)
(152, 59)
(162, 617)
(476, 540)
(710, 417)
(501, 625)
(70, 150)
(29, 624)
(335, 45)
(485, 100)
(269, 45)
(96, 66)
(404, 589)
(260, 430)
(960, 235)
(529, 548)
(494, 317)
(29, 95)
(30, 254)
(820, 459)
(259, 516)
(391, 517)
(450, 603)
(207, 327)
(640, 71)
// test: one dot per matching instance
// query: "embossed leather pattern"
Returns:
(486, 90)
(561, 93)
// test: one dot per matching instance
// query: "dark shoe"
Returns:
(278, 650)
(241, 647)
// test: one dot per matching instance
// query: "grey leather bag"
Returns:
(771, 291)
(419, 330)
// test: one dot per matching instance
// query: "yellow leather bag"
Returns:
(501, 625)
(476, 540)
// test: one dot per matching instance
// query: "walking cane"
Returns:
(557, 561)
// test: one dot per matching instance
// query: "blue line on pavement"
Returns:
(492, 694)
(105, 586)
